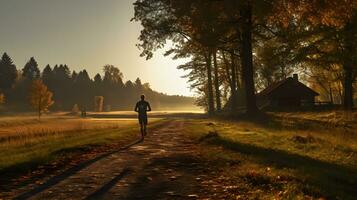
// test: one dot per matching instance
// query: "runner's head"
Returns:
(142, 97)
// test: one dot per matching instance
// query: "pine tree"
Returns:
(129, 85)
(74, 76)
(97, 79)
(30, 70)
(47, 74)
(97, 84)
(83, 78)
(8, 73)
(138, 83)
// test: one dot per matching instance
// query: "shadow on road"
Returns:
(105, 188)
(71, 171)
(172, 177)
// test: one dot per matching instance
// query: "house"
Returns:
(288, 93)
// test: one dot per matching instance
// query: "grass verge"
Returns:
(267, 163)
(19, 159)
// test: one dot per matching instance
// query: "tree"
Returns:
(97, 84)
(74, 76)
(78, 88)
(112, 75)
(129, 85)
(8, 73)
(98, 79)
(40, 97)
(62, 83)
(189, 24)
(217, 82)
(332, 27)
(30, 70)
(48, 76)
(2, 98)
(83, 90)
(271, 63)
(208, 26)
(83, 77)
(62, 72)
(138, 83)
(197, 77)
(231, 77)
(246, 52)
(47, 73)
(112, 84)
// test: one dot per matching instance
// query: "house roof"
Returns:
(276, 86)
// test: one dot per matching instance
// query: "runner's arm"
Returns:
(149, 107)
(136, 109)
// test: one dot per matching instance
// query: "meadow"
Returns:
(291, 155)
(283, 156)
(26, 142)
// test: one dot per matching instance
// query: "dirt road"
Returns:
(163, 166)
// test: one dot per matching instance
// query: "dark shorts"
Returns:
(143, 119)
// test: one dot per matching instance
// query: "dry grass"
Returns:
(20, 130)
(26, 142)
(328, 119)
(290, 156)
(337, 128)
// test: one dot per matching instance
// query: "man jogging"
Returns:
(142, 107)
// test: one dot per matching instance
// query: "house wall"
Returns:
(291, 102)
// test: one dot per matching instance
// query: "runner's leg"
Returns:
(141, 126)
(142, 130)
(145, 122)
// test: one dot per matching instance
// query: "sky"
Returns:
(84, 34)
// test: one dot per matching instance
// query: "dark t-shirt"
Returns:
(142, 107)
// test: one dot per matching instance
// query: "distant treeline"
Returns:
(71, 87)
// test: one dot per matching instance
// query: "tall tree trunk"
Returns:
(234, 86)
(216, 82)
(348, 88)
(239, 78)
(247, 58)
(348, 68)
(209, 83)
(227, 68)
(340, 94)
(230, 73)
(331, 93)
